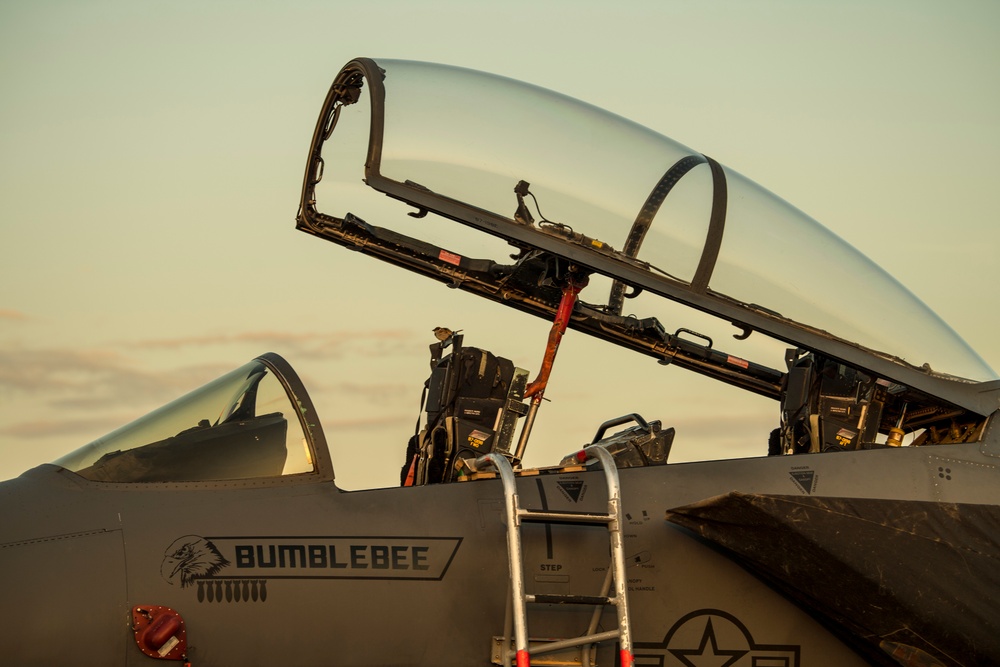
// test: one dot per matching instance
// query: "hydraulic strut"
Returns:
(536, 388)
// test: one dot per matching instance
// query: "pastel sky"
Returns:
(151, 156)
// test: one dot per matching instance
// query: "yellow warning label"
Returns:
(477, 438)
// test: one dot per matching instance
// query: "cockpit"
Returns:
(556, 208)
(521, 195)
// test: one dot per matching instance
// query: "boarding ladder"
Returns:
(519, 599)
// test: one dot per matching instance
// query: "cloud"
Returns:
(87, 377)
(371, 424)
(65, 427)
(54, 369)
(77, 394)
(371, 393)
(314, 345)
(66, 381)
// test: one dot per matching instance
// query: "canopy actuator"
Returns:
(574, 282)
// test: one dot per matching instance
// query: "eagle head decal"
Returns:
(189, 558)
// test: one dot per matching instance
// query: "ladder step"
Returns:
(568, 517)
(517, 612)
(551, 646)
(569, 599)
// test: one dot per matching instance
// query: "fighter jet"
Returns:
(213, 531)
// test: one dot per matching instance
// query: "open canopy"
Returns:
(561, 180)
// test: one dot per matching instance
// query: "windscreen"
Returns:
(241, 425)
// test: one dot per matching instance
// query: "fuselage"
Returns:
(315, 575)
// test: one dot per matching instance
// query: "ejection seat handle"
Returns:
(618, 421)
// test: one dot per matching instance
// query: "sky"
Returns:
(151, 157)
